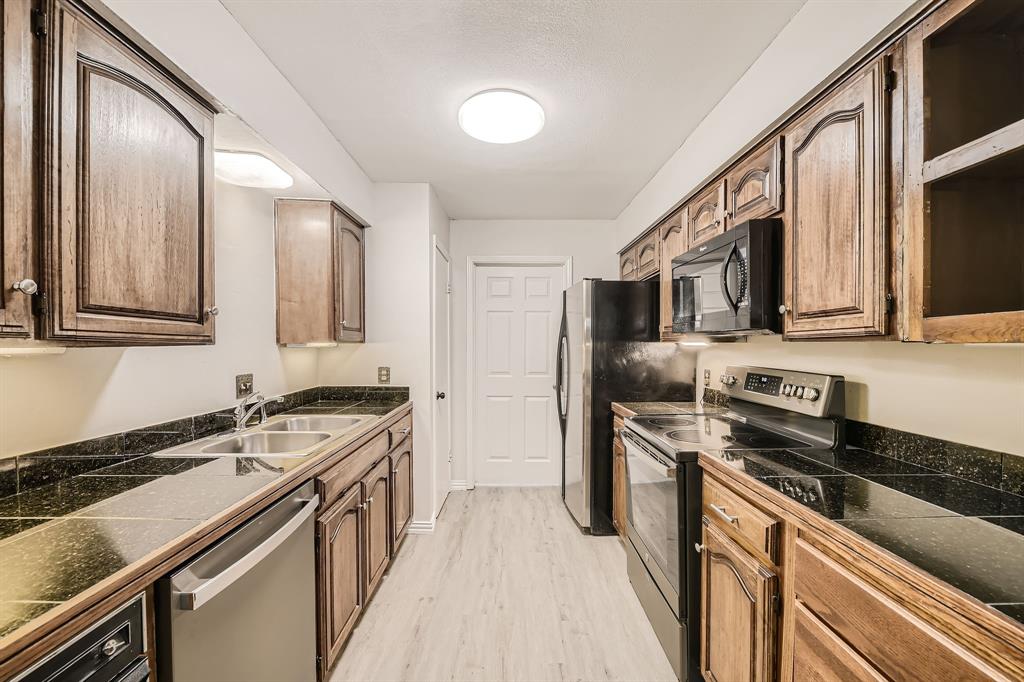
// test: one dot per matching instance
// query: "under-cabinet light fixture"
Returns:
(249, 169)
(501, 116)
(313, 344)
(23, 351)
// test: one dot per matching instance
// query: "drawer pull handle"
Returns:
(721, 512)
(405, 431)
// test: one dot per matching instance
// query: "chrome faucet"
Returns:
(242, 415)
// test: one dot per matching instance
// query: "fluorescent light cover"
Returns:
(313, 344)
(700, 344)
(249, 169)
(501, 116)
(22, 351)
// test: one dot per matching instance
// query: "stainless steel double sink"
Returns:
(281, 436)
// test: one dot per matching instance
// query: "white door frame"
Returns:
(472, 263)
(433, 369)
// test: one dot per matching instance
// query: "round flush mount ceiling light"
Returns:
(249, 169)
(501, 116)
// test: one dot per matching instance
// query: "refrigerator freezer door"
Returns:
(576, 444)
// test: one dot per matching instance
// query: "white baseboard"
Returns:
(421, 527)
(459, 485)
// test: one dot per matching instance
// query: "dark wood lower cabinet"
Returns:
(377, 492)
(401, 494)
(738, 617)
(619, 483)
(341, 569)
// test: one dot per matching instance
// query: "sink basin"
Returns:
(314, 423)
(266, 443)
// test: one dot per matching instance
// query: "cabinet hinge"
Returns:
(890, 304)
(776, 603)
(890, 80)
(40, 303)
(38, 23)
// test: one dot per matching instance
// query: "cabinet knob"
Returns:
(213, 311)
(344, 322)
(783, 309)
(699, 547)
(26, 286)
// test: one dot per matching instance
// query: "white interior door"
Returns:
(515, 329)
(442, 377)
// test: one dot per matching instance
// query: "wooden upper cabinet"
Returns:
(706, 215)
(672, 238)
(341, 571)
(737, 618)
(349, 278)
(18, 219)
(648, 263)
(320, 273)
(835, 276)
(128, 218)
(377, 493)
(754, 185)
(627, 265)
(961, 278)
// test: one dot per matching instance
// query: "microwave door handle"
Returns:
(725, 280)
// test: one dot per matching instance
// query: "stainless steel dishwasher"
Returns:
(246, 608)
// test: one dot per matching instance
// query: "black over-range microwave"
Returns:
(730, 284)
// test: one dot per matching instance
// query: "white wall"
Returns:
(966, 394)
(56, 399)
(819, 38)
(397, 317)
(589, 242)
(206, 42)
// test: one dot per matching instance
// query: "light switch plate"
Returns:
(243, 385)
(383, 375)
(707, 377)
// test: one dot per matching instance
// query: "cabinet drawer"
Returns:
(820, 655)
(333, 482)
(399, 431)
(741, 519)
(893, 640)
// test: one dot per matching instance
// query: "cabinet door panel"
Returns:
(16, 232)
(376, 486)
(349, 279)
(627, 265)
(131, 227)
(672, 235)
(706, 215)
(305, 271)
(647, 263)
(737, 641)
(835, 277)
(401, 494)
(340, 581)
(755, 185)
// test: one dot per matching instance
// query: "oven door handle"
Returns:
(633, 442)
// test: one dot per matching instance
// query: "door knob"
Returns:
(26, 286)
(440, 395)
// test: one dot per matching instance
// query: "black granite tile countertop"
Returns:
(59, 540)
(969, 535)
(658, 407)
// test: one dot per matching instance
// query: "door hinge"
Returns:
(890, 80)
(38, 23)
(448, 289)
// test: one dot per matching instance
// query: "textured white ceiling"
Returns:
(622, 84)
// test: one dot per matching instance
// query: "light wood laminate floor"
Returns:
(506, 588)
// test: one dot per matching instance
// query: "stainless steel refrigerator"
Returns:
(608, 351)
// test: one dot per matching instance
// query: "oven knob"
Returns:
(812, 496)
(812, 394)
(727, 379)
(787, 389)
(798, 391)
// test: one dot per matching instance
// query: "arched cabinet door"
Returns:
(128, 215)
(835, 277)
(339, 536)
(349, 279)
(377, 496)
(401, 493)
(706, 215)
(672, 239)
(755, 184)
(738, 619)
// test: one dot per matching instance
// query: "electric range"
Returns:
(769, 409)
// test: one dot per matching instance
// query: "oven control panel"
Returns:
(817, 395)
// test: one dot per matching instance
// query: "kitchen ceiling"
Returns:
(622, 84)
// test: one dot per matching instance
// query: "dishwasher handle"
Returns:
(192, 600)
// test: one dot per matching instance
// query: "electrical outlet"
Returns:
(383, 375)
(243, 385)
(707, 377)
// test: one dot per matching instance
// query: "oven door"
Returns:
(652, 518)
(710, 288)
